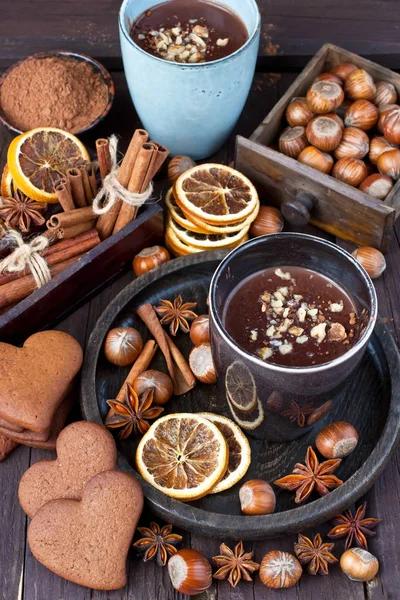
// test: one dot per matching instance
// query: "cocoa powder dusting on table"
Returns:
(53, 92)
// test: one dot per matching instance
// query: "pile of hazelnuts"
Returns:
(328, 129)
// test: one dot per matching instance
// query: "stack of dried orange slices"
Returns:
(188, 456)
(210, 207)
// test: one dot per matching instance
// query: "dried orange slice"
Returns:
(183, 455)
(176, 247)
(178, 215)
(200, 226)
(216, 194)
(38, 158)
(206, 241)
(179, 248)
(248, 420)
(240, 386)
(224, 228)
(7, 186)
(239, 451)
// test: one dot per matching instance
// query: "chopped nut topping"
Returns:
(296, 331)
(276, 303)
(304, 318)
(265, 353)
(353, 319)
(201, 31)
(196, 57)
(301, 314)
(253, 335)
(286, 348)
(319, 332)
(223, 42)
(283, 275)
(285, 325)
(336, 306)
(279, 296)
(197, 40)
(337, 333)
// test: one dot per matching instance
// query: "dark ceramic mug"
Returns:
(288, 401)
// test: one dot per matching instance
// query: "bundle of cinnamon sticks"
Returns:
(17, 286)
(141, 163)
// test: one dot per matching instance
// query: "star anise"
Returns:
(297, 414)
(134, 413)
(311, 475)
(234, 565)
(22, 212)
(315, 554)
(176, 314)
(157, 543)
(354, 527)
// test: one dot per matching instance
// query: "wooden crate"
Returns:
(81, 280)
(308, 194)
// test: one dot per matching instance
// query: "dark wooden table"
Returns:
(299, 29)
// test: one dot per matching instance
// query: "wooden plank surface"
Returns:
(292, 30)
(21, 576)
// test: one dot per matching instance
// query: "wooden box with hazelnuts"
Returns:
(329, 151)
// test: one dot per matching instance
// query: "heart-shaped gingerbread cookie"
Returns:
(84, 449)
(34, 379)
(87, 541)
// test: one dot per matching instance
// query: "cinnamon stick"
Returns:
(162, 156)
(179, 370)
(65, 181)
(77, 190)
(92, 178)
(125, 172)
(105, 223)
(140, 365)
(59, 253)
(158, 160)
(79, 215)
(86, 183)
(17, 290)
(66, 233)
(103, 156)
(140, 175)
(64, 197)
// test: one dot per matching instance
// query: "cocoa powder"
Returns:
(53, 92)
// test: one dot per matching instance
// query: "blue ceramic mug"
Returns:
(191, 109)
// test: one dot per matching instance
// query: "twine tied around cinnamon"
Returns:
(27, 255)
(112, 190)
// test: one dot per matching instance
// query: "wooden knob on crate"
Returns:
(297, 211)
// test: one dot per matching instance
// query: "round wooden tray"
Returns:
(371, 403)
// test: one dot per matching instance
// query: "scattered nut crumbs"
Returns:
(184, 43)
(291, 320)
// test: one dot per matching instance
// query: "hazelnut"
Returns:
(280, 570)
(359, 564)
(257, 498)
(337, 440)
